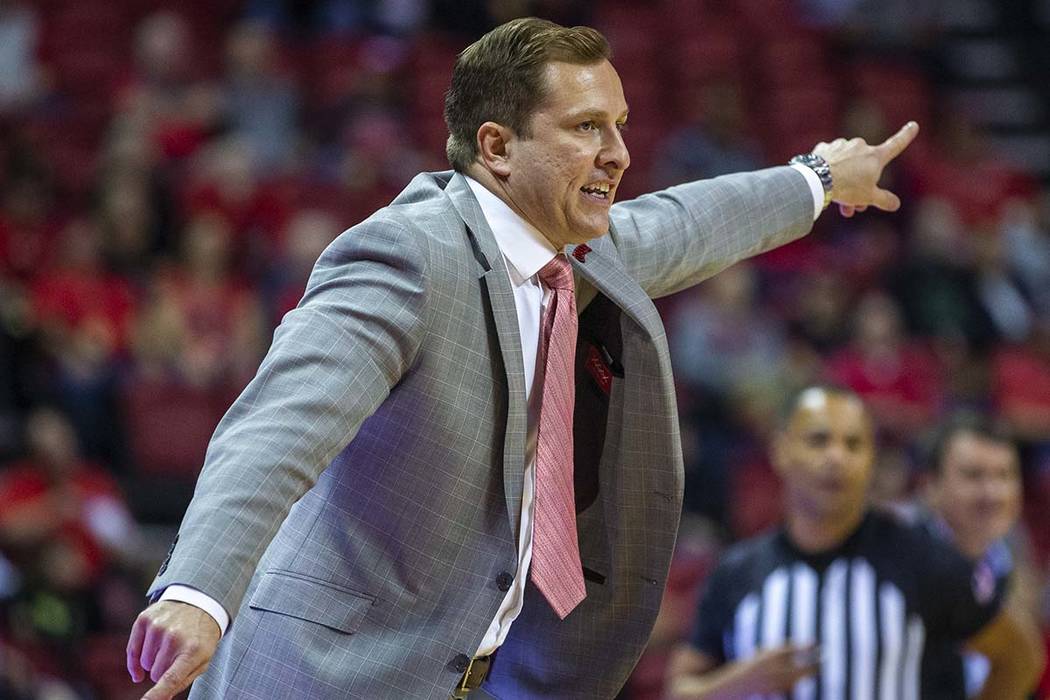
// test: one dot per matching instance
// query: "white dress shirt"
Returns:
(525, 251)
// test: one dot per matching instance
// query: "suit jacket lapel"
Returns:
(609, 278)
(493, 274)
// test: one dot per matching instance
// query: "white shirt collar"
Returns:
(525, 249)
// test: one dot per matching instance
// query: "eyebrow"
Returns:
(596, 114)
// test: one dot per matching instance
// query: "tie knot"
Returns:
(557, 274)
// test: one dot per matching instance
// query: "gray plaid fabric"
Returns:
(361, 498)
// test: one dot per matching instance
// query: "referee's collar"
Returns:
(819, 560)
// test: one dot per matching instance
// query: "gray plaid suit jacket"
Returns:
(358, 508)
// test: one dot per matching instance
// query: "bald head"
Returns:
(816, 397)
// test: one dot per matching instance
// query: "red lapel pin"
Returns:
(580, 251)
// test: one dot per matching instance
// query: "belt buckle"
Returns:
(464, 682)
(465, 685)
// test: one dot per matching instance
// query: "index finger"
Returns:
(895, 145)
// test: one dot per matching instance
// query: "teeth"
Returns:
(602, 188)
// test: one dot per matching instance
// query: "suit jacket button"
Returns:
(504, 581)
(460, 663)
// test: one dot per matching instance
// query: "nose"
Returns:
(614, 155)
(835, 454)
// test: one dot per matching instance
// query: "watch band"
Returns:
(819, 166)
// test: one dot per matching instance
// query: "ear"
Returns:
(494, 145)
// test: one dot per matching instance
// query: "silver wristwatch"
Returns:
(819, 166)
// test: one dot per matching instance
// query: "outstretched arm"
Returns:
(675, 238)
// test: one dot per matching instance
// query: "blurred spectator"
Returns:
(820, 312)
(260, 103)
(1000, 295)
(224, 186)
(937, 286)
(64, 524)
(963, 170)
(28, 226)
(84, 315)
(1026, 234)
(20, 75)
(729, 361)
(19, 680)
(166, 98)
(713, 140)
(54, 492)
(375, 162)
(723, 338)
(79, 292)
(134, 204)
(130, 226)
(349, 76)
(308, 233)
(895, 376)
(974, 493)
(204, 323)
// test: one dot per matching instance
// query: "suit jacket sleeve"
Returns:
(333, 361)
(675, 238)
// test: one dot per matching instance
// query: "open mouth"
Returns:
(601, 191)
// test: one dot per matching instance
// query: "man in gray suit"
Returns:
(374, 516)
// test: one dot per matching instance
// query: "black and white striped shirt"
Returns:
(880, 606)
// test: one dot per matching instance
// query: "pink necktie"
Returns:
(556, 568)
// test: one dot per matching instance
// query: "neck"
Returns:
(492, 183)
(814, 533)
(971, 546)
(973, 550)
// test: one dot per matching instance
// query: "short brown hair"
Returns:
(964, 423)
(500, 78)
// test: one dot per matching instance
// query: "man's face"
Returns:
(978, 490)
(563, 178)
(825, 456)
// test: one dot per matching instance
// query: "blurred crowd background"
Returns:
(169, 172)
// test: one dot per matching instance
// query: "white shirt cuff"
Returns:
(815, 188)
(185, 594)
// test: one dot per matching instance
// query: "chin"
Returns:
(593, 229)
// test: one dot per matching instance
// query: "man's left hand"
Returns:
(856, 168)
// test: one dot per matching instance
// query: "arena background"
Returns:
(170, 171)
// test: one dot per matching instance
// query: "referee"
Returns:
(841, 602)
